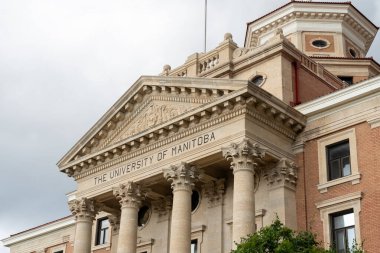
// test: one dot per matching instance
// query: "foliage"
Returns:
(277, 238)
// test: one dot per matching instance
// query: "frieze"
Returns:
(154, 158)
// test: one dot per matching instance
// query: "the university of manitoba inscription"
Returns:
(155, 157)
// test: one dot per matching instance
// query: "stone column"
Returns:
(130, 197)
(282, 179)
(243, 158)
(182, 178)
(84, 211)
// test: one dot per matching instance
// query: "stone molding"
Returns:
(129, 195)
(182, 176)
(244, 155)
(284, 173)
(83, 208)
(214, 191)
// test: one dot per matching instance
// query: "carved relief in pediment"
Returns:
(154, 114)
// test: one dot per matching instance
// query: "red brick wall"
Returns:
(368, 147)
(310, 86)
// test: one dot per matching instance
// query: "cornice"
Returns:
(350, 16)
(221, 110)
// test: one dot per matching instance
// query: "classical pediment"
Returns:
(151, 101)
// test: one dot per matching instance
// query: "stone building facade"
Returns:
(211, 151)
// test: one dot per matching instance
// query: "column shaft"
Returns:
(182, 178)
(127, 242)
(243, 205)
(83, 232)
(180, 238)
(130, 196)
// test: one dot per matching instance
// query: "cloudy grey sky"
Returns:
(64, 63)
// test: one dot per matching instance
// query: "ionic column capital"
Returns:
(283, 173)
(129, 195)
(182, 176)
(83, 208)
(243, 156)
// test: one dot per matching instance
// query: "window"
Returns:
(343, 231)
(194, 246)
(352, 52)
(338, 156)
(102, 231)
(61, 251)
(341, 222)
(347, 79)
(320, 43)
(143, 216)
(195, 200)
(258, 80)
(337, 160)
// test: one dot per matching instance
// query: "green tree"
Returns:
(277, 238)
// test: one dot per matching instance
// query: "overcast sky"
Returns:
(64, 63)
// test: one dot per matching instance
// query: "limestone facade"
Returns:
(209, 152)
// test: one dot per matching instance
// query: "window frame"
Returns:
(334, 230)
(106, 236)
(354, 178)
(336, 205)
(329, 148)
(59, 248)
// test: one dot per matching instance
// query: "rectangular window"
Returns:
(338, 159)
(343, 231)
(194, 246)
(102, 231)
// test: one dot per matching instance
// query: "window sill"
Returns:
(354, 179)
(106, 246)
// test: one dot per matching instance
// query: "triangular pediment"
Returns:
(151, 101)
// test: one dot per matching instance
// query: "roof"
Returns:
(307, 2)
(43, 225)
(39, 230)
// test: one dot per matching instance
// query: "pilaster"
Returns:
(282, 181)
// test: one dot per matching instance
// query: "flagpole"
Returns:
(205, 26)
